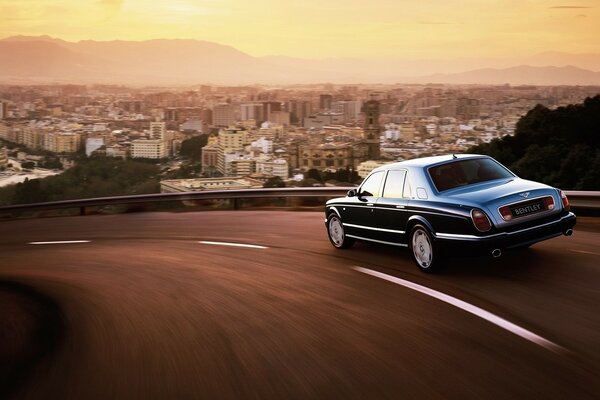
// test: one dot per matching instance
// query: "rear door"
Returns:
(391, 213)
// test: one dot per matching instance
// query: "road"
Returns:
(153, 306)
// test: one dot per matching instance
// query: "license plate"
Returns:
(523, 210)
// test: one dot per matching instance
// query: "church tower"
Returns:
(372, 129)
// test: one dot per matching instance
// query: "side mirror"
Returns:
(351, 193)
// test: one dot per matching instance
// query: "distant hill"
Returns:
(559, 147)
(39, 59)
(521, 75)
(146, 62)
(186, 62)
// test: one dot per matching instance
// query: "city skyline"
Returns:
(441, 30)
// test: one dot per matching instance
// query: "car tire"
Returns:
(336, 232)
(423, 249)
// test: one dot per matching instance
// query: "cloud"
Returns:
(581, 16)
(569, 7)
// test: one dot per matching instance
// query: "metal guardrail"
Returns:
(584, 200)
(579, 199)
(235, 195)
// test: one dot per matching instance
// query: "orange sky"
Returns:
(439, 29)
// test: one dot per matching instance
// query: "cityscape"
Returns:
(232, 199)
(254, 133)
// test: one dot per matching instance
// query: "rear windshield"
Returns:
(466, 172)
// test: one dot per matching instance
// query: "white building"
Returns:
(93, 144)
(187, 185)
(277, 167)
(116, 150)
(265, 145)
(148, 148)
(191, 125)
(392, 132)
(365, 168)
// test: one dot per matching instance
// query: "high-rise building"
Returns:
(299, 110)
(468, 108)
(270, 107)
(252, 111)
(372, 129)
(325, 101)
(157, 130)
(279, 117)
(223, 115)
(230, 141)
(349, 108)
(3, 110)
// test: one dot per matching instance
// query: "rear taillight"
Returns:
(480, 220)
(565, 200)
(549, 202)
(505, 212)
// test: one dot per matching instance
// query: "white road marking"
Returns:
(586, 252)
(62, 242)
(481, 313)
(251, 246)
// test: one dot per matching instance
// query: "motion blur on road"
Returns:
(157, 305)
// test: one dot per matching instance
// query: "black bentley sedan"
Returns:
(442, 205)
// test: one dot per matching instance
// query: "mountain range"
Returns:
(43, 59)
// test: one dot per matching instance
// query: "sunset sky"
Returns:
(318, 29)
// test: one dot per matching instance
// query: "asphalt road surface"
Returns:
(160, 306)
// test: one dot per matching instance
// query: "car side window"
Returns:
(372, 185)
(394, 184)
(407, 192)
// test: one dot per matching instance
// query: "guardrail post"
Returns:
(82, 210)
(236, 203)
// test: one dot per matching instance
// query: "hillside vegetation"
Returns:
(97, 176)
(558, 147)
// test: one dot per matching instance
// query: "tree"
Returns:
(192, 148)
(29, 191)
(313, 174)
(558, 147)
(274, 182)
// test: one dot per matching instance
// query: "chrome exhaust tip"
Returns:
(568, 232)
(496, 253)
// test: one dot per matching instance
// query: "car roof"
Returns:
(424, 162)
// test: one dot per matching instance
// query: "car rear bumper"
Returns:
(505, 240)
